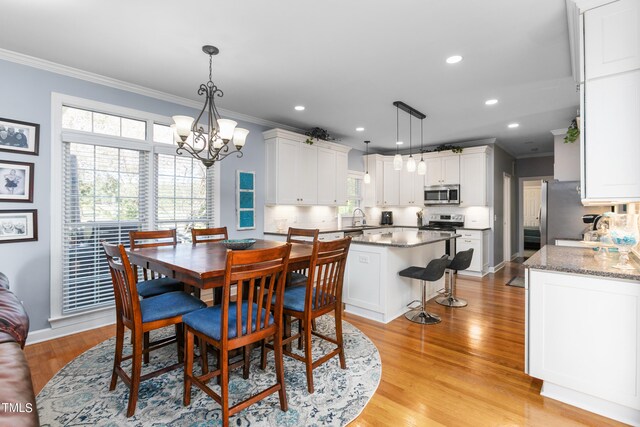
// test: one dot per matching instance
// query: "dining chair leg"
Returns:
(300, 340)
(224, 387)
(246, 358)
(338, 318)
(188, 368)
(287, 330)
(307, 356)
(180, 341)
(263, 354)
(147, 356)
(117, 360)
(279, 359)
(204, 361)
(136, 368)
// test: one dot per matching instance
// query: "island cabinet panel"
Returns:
(583, 340)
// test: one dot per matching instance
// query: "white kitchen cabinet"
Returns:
(390, 193)
(323, 237)
(442, 170)
(479, 241)
(326, 176)
(303, 174)
(612, 39)
(582, 340)
(610, 98)
(373, 192)
(473, 178)
(411, 187)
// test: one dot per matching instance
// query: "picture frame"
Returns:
(19, 137)
(16, 182)
(18, 225)
(246, 200)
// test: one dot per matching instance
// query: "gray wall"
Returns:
(503, 163)
(534, 166)
(26, 96)
(356, 161)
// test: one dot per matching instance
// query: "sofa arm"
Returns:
(14, 322)
(17, 400)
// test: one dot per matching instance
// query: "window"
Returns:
(119, 172)
(354, 193)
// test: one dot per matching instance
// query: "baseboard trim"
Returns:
(497, 268)
(63, 331)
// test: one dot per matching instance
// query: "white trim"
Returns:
(55, 281)
(73, 326)
(559, 132)
(64, 70)
(526, 156)
(497, 268)
(521, 181)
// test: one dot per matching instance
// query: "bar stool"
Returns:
(461, 261)
(432, 272)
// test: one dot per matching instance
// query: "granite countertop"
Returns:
(581, 261)
(404, 239)
(473, 228)
(345, 229)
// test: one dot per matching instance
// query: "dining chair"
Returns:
(304, 236)
(237, 324)
(141, 317)
(321, 295)
(210, 235)
(153, 284)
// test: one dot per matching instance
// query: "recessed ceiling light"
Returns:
(399, 143)
(299, 107)
(454, 59)
(491, 102)
(513, 125)
(359, 129)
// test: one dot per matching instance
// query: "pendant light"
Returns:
(367, 177)
(397, 159)
(422, 166)
(411, 163)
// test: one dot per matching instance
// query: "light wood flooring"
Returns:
(465, 371)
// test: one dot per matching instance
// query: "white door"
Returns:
(287, 193)
(473, 179)
(434, 171)
(418, 190)
(506, 223)
(306, 173)
(531, 206)
(391, 184)
(405, 189)
(451, 169)
(326, 176)
(342, 168)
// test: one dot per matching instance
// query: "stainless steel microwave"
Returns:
(442, 195)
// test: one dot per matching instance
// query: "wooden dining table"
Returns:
(202, 265)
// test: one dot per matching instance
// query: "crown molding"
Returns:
(527, 156)
(559, 132)
(53, 67)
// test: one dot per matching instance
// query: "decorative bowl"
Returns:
(238, 244)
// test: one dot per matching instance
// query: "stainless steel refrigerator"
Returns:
(561, 211)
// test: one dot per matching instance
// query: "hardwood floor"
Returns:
(465, 371)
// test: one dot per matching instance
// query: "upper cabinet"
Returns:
(473, 176)
(373, 190)
(443, 170)
(391, 185)
(303, 174)
(611, 102)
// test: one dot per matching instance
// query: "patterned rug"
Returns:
(79, 394)
(517, 281)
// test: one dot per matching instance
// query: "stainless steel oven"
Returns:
(442, 195)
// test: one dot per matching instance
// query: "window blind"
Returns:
(105, 195)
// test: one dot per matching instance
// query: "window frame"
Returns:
(59, 137)
(355, 175)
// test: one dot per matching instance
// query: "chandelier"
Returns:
(212, 144)
(411, 162)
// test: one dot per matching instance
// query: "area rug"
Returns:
(79, 394)
(517, 282)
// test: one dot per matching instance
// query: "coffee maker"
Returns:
(387, 218)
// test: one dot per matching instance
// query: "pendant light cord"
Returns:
(421, 138)
(397, 127)
(410, 136)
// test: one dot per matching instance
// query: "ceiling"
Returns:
(345, 61)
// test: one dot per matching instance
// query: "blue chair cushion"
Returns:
(296, 279)
(168, 305)
(153, 287)
(209, 320)
(294, 298)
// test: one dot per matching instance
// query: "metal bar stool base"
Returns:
(422, 317)
(451, 302)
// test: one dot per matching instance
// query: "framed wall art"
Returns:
(246, 200)
(19, 137)
(18, 226)
(16, 181)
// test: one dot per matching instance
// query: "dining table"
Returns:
(203, 265)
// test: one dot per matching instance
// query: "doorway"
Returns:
(506, 217)
(529, 207)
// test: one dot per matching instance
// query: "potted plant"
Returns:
(573, 132)
(317, 134)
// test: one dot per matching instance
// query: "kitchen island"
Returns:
(372, 286)
(582, 330)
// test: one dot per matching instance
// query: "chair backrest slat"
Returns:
(328, 262)
(263, 272)
(124, 283)
(151, 239)
(294, 234)
(208, 235)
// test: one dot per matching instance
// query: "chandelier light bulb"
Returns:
(397, 162)
(367, 178)
(422, 167)
(183, 126)
(226, 128)
(411, 164)
(240, 137)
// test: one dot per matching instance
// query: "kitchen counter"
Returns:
(473, 228)
(580, 261)
(345, 229)
(404, 239)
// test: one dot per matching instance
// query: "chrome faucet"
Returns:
(353, 218)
